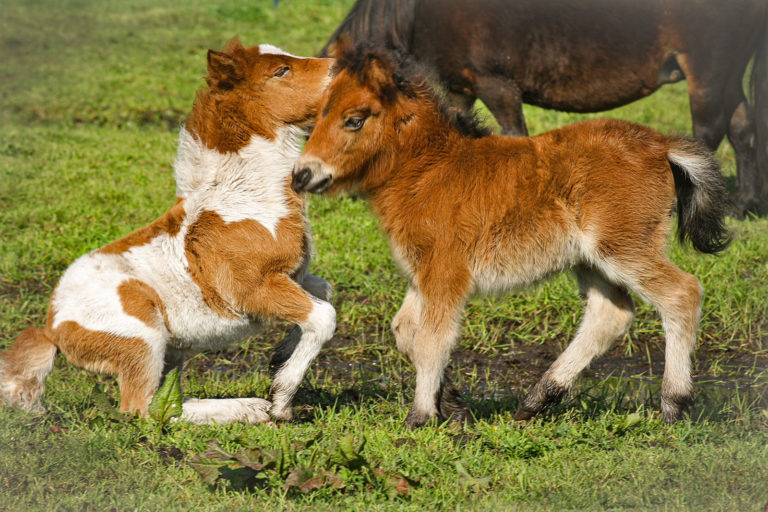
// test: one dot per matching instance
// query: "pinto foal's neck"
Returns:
(261, 159)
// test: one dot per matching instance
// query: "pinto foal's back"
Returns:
(467, 213)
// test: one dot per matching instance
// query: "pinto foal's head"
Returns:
(255, 91)
(376, 103)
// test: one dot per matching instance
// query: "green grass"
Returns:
(91, 94)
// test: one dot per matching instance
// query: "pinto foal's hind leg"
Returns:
(138, 367)
(608, 313)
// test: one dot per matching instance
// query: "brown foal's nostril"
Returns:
(300, 179)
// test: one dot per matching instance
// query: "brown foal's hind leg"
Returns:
(450, 404)
(608, 313)
(676, 295)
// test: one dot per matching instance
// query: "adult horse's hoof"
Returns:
(524, 413)
(741, 208)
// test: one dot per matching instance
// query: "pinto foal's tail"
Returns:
(24, 368)
(702, 199)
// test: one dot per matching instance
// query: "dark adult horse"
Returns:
(593, 55)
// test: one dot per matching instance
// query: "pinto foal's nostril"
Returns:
(300, 179)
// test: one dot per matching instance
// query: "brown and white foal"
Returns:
(468, 213)
(233, 249)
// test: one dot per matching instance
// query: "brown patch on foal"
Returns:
(169, 223)
(234, 264)
(130, 359)
(141, 301)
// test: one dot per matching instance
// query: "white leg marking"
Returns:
(608, 314)
(430, 352)
(680, 327)
(316, 331)
(225, 410)
(405, 323)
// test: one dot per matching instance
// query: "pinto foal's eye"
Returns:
(281, 71)
(354, 123)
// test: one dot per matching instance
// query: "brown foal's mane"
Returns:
(409, 78)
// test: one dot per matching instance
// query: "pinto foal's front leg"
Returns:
(319, 288)
(282, 297)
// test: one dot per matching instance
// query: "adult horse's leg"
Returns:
(718, 106)
(608, 313)
(503, 98)
(450, 405)
(462, 102)
(741, 134)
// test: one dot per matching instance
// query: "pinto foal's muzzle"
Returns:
(308, 176)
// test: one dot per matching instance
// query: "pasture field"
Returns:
(91, 96)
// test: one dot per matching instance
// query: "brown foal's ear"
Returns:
(224, 69)
(378, 72)
(341, 47)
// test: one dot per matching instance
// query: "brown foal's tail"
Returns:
(24, 368)
(702, 199)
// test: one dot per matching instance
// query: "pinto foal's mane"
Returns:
(409, 78)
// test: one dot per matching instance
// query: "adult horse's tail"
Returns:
(759, 82)
(388, 23)
(702, 198)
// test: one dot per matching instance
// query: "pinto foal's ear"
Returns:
(223, 70)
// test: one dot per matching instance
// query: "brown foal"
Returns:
(469, 213)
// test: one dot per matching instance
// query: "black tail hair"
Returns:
(702, 198)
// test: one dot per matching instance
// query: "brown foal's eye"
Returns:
(354, 123)
(281, 71)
